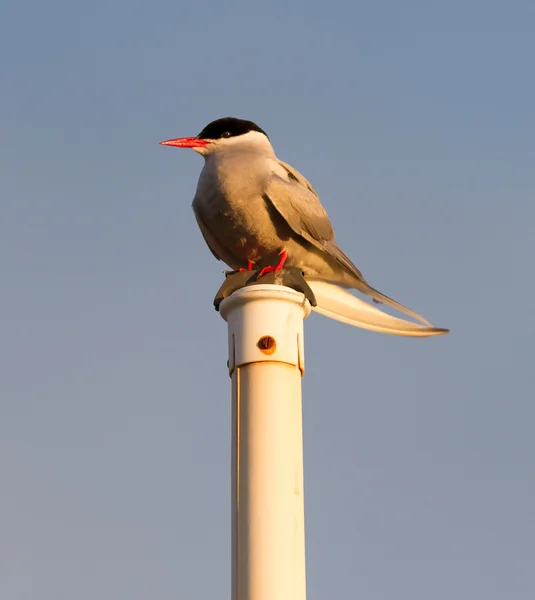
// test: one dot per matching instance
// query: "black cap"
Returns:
(228, 127)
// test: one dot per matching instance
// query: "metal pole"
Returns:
(266, 363)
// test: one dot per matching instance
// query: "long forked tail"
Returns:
(337, 303)
(363, 287)
(359, 283)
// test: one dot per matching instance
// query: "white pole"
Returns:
(266, 363)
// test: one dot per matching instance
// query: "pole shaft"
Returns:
(266, 362)
(267, 484)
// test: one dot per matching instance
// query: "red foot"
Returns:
(249, 267)
(284, 256)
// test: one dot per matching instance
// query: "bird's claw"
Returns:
(278, 267)
(249, 267)
(267, 270)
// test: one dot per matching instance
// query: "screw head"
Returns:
(267, 344)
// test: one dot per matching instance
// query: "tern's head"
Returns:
(227, 133)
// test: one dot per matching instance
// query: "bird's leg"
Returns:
(284, 256)
(249, 267)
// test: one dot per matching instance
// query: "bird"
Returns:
(256, 211)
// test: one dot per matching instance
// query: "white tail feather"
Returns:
(339, 304)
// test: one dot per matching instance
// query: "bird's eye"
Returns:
(226, 134)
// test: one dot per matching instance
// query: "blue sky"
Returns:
(415, 123)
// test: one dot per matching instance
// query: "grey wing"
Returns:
(298, 203)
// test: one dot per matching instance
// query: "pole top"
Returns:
(265, 325)
(289, 277)
(275, 293)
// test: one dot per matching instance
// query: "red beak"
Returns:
(185, 142)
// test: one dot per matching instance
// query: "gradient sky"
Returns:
(415, 122)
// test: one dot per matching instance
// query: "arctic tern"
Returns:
(255, 210)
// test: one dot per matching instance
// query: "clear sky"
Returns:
(415, 122)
